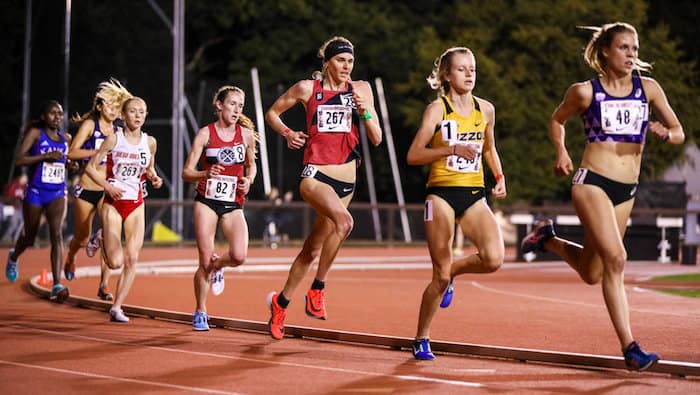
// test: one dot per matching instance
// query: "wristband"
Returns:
(367, 115)
(286, 131)
(499, 177)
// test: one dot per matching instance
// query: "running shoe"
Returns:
(11, 269)
(534, 241)
(94, 243)
(316, 303)
(216, 281)
(104, 293)
(69, 271)
(447, 296)
(421, 350)
(117, 315)
(59, 293)
(637, 359)
(200, 321)
(277, 315)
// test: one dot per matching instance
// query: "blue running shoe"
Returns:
(11, 270)
(534, 241)
(59, 293)
(69, 270)
(421, 350)
(200, 321)
(447, 296)
(637, 359)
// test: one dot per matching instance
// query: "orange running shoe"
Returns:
(316, 303)
(276, 323)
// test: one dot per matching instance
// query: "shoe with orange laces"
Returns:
(316, 303)
(276, 323)
(69, 271)
(104, 293)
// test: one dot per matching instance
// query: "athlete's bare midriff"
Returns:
(618, 161)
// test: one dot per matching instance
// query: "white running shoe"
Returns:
(217, 281)
(117, 315)
(94, 243)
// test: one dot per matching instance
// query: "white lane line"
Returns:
(266, 265)
(566, 301)
(115, 378)
(262, 361)
(288, 260)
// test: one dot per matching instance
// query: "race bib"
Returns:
(53, 172)
(128, 172)
(309, 171)
(579, 176)
(334, 118)
(463, 165)
(222, 188)
(623, 117)
(130, 189)
(449, 130)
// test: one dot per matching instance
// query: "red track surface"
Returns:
(61, 348)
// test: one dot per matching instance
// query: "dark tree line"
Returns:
(527, 52)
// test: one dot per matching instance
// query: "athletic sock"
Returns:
(318, 284)
(282, 301)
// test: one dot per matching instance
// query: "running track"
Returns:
(61, 348)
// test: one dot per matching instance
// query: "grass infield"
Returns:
(693, 281)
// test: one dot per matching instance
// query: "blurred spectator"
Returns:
(271, 235)
(284, 216)
(277, 218)
(13, 196)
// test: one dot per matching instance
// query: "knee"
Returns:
(56, 239)
(592, 278)
(29, 236)
(441, 282)
(130, 260)
(78, 241)
(615, 263)
(237, 258)
(115, 264)
(344, 226)
(593, 275)
(206, 259)
(492, 263)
